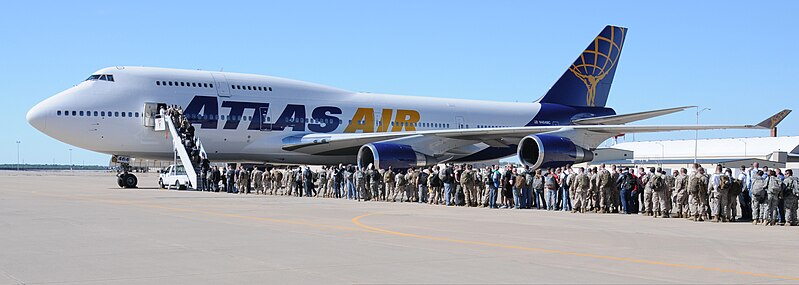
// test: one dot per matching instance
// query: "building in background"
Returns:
(774, 152)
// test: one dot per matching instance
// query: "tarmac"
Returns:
(78, 227)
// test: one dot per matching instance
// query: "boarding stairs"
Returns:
(182, 152)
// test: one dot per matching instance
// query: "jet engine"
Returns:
(544, 151)
(398, 156)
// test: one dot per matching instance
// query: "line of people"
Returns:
(764, 196)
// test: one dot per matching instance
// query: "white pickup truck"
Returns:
(173, 176)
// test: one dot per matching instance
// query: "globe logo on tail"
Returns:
(597, 61)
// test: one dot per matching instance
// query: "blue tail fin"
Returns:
(587, 81)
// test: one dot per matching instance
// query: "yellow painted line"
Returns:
(357, 221)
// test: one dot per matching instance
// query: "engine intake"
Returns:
(397, 156)
(545, 151)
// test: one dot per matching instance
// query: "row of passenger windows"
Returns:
(252, 88)
(405, 124)
(97, 114)
(490, 127)
(184, 84)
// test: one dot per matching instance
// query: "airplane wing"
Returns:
(434, 142)
(628, 118)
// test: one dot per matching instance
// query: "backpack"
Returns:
(736, 187)
(657, 182)
(538, 182)
(628, 183)
(551, 183)
(724, 182)
(468, 178)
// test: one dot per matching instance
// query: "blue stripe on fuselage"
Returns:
(559, 115)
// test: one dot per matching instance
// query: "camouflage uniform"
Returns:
(257, 177)
(697, 186)
(582, 185)
(790, 193)
(681, 188)
(605, 190)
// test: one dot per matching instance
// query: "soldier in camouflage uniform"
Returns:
(606, 182)
(790, 195)
(681, 188)
(582, 184)
(698, 187)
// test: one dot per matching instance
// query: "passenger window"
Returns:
(193, 84)
(158, 83)
(102, 113)
(136, 114)
(170, 83)
(58, 113)
(270, 88)
(130, 114)
(222, 117)
(74, 113)
(212, 85)
(116, 114)
(123, 114)
(181, 84)
(95, 113)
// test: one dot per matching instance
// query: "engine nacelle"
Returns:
(545, 151)
(398, 156)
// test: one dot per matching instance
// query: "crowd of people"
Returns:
(763, 196)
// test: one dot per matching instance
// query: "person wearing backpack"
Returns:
(659, 186)
(435, 185)
(717, 184)
(698, 185)
(758, 190)
(774, 194)
(626, 186)
(790, 195)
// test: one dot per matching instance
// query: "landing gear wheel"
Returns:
(120, 182)
(129, 181)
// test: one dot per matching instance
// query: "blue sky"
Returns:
(737, 57)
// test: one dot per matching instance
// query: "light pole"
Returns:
(662, 152)
(18, 142)
(743, 141)
(70, 159)
(696, 134)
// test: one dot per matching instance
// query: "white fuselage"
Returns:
(99, 105)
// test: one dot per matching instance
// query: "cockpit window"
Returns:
(104, 77)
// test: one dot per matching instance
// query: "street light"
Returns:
(743, 141)
(70, 159)
(18, 142)
(696, 134)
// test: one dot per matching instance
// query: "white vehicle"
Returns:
(173, 176)
(265, 119)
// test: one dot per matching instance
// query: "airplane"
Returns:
(265, 119)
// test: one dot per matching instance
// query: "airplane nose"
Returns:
(37, 117)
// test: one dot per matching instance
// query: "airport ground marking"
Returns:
(357, 222)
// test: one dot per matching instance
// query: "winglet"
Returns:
(772, 121)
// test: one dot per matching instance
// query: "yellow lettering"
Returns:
(363, 120)
(385, 120)
(406, 119)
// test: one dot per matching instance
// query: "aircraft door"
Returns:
(459, 123)
(222, 88)
(266, 119)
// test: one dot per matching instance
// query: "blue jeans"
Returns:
(517, 197)
(492, 197)
(551, 199)
(229, 188)
(567, 201)
(447, 193)
(625, 201)
(422, 194)
(540, 199)
(351, 191)
(527, 198)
